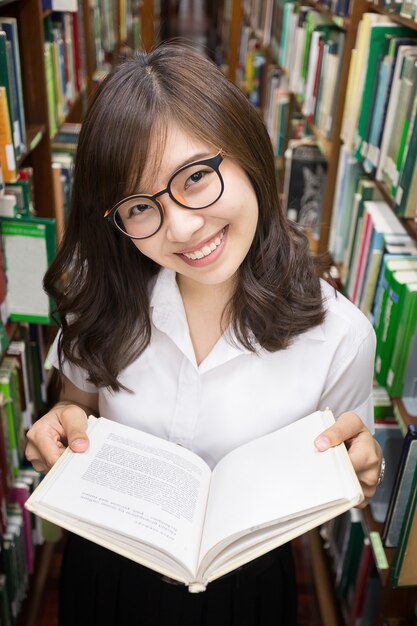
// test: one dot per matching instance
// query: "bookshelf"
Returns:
(396, 605)
(83, 43)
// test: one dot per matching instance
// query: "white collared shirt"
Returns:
(236, 395)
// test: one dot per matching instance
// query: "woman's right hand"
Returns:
(64, 425)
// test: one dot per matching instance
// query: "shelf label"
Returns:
(378, 549)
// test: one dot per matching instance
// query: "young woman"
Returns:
(190, 308)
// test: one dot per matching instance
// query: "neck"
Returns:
(214, 296)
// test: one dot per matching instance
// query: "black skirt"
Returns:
(101, 588)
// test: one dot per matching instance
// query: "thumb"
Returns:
(347, 426)
(74, 421)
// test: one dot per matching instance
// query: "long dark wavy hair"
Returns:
(100, 280)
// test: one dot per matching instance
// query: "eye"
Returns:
(139, 209)
(196, 177)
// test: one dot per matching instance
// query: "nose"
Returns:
(180, 223)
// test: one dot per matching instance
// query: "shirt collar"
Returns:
(168, 315)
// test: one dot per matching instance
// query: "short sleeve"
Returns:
(77, 375)
(349, 385)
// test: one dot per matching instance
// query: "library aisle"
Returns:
(190, 21)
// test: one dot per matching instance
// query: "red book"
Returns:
(76, 49)
(316, 79)
(358, 598)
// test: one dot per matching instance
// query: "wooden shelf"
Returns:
(340, 20)
(395, 17)
(30, 611)
(329, 609)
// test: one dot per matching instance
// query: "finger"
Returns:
(74, 422)
(51, 451)
(365, 455)
(347, 426)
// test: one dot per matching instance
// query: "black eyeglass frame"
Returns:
(214, 162)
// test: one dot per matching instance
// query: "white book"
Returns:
(390, 121)
(161, 505)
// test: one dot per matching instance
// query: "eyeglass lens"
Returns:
(194, 187)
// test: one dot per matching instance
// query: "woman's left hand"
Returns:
(364, 451)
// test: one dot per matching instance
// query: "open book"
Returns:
(161, 505)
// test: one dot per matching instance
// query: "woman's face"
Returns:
(205, 245)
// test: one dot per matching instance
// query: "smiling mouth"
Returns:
(207, 249)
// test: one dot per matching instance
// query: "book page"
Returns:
(136, 484)
(277, 477)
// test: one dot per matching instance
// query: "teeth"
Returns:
(206, 250)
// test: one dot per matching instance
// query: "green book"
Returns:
(377, 50)
(406, 175)
(404, 570)
(347, 568)
(50, 88)
(9, 26)
(29, 246)
(389, 315)
(402, 114)
(406, 331)
(314, 21)
(9, 387)
(22, 189)
(409, 120)
(6, 81)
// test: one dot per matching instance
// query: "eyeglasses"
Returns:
(194, 186)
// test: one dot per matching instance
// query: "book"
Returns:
(385, 227)
(7, 80)
(304, 183)
(365, 190)
(407, 184)
(391, 262)
(390, 120)
(7, 154)
(403, 112)
(404, 571)
(407, 328)
(409, 394)
(377, 48)
(9, 387)
(347, 566)
(343, 207)
(378, 222)
(28, 242)
(358, 591)
(389, 314)
(382, 92)
(357, 74)
(161, 505)
(9, 26)
(390, 438)
(401, 489)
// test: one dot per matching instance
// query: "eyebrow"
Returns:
(200, 156)
(196, 157)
